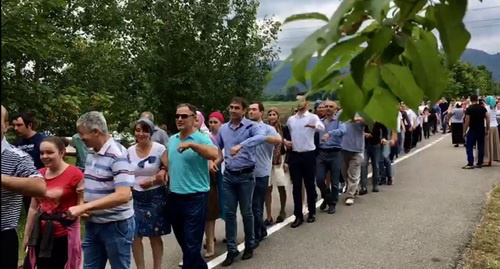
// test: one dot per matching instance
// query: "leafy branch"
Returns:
(394, 58)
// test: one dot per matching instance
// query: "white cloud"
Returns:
(482, 20)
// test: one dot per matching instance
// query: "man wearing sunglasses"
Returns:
(238, 138)
(188, 169)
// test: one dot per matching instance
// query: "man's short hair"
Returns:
(260, 105)
(241, 101)
(474, 98)
(191, 107)
(28, 119)
(148, 115)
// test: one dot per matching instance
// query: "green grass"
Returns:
(484, 252)
(22, 218)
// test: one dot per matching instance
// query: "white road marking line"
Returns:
(276, 227)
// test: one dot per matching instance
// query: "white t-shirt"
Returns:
(151, 163)
(400, 117)
(493, 116)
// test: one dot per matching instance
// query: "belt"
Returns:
(246, 170)
(330, 149)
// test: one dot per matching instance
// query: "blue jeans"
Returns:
(113, 241)
(472, 139)
(329, 161)
(187, 213)
(372, 152)
(385, 165)
(238, 189)
(258, 200)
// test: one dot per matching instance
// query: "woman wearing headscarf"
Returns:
(215, 121)
(213, 212)
(492, 152)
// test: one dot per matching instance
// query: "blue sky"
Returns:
(482, 20)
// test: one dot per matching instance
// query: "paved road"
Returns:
(422, 221)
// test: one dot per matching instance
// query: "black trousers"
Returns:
(9, 249)
(59, 256)
(417, 136)
(302, 166)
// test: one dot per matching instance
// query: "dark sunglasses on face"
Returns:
(182, 116)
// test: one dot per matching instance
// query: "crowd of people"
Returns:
(185, 182)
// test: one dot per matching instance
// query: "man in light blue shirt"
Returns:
(188, 155)
(263, 166)
(353, 148)
(329, 158)
(238, 138)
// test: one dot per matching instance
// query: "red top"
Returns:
(68, 181)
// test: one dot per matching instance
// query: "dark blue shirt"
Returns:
(32, 147)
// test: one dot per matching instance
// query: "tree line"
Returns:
(61, 58)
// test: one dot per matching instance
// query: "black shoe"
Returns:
(331, 209)
(229, 259)
(247, 254)
(297, 222)
(311, 218)
(363, 191)
(280, 219)
(479, 165)
(268, 222)
(323, 205)
(382, 181)
(389, 181)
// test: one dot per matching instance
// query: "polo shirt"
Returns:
(188, 171)
(15, 163)
(105, 170)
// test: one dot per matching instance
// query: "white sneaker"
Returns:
(181, 264)
(349, 201)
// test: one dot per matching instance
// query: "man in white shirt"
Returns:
(302, 160)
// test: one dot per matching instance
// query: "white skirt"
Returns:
(278, 176)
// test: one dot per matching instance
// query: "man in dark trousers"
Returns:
(475, 131)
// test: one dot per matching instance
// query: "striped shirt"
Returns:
(105, 170)
(16, 163)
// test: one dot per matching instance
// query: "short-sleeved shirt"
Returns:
(477, 115)
(81, 151)
(68, 181)
(15, 163)
(147, 167)
(32, 147)
(160, 136)
(188, 171)
(105, 170)
(264, 153)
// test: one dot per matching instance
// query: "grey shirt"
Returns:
(457, 115)
(160, 136)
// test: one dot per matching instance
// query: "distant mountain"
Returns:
(476, 57)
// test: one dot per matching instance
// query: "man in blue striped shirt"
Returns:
(110, 226)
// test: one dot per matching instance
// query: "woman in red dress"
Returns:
(53, 239)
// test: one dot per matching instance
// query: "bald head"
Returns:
(330, 107)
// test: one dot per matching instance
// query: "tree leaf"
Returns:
(376, 45)
(351, 96)
(383, 107)
(430, 74)
(378, 9)
(401, 82)
(452, 32)
(344, 48)
(307, 16)
(408, 9)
